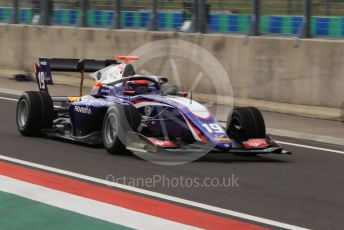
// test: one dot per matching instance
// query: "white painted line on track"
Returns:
(310, 147)
(11, 91)
(307, 136)
(155, 194)
(8, 99)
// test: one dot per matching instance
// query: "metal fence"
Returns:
(304, 18)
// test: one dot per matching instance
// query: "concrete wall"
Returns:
(263, 68)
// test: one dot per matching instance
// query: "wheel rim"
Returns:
(235, 124)
(236, 129)
(23, 113)
(110, 129)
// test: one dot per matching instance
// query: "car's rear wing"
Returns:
(77, 65)
(48, 65)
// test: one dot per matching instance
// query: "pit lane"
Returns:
(305, 189)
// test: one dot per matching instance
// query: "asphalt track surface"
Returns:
(305, 189)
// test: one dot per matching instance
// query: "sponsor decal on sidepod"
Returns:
(84, 110)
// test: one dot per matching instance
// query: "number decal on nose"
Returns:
(213, 128)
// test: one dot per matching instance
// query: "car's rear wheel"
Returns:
(246, 123)
(35, 111)
(48, 110)
(118, 120)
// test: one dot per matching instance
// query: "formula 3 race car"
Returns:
(135, 112)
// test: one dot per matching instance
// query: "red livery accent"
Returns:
(127, 59)
(255, 143)
(182, 94)
(35, 69)
(141, 82)
(162, 143)
(140, 101)
(129, 92)
(97, 85)
(198, 132)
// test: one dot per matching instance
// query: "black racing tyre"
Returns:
(133, 116)
(246, 123)
(118, 120)
(48, 110)
(35, 111)
(260, 130)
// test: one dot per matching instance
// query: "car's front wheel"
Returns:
(246, 123)
(118, 120)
